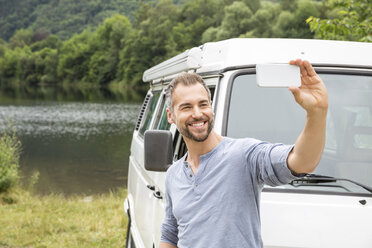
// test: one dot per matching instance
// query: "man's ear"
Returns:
(170, 117)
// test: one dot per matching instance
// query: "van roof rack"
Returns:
(240, 52)
(188, 60)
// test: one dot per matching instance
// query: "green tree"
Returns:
(288, 5)
(110, 39)
(21, 38)
(152, 43)
(194, 18)
(52, 41)
(49, 60)
(210, 34)
(354, 21)
(263, 21)
(294, 25)
(237, 20)
(74, 57)
(9, 64)
(282, 28)
(253, 5)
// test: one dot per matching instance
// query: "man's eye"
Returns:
(186, 107)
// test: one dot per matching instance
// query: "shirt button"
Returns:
(190, 175)
(196, 185)
(186, 165)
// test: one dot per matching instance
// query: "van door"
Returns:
(161, 123)
(140, 184)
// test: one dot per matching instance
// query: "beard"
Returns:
(185, 131)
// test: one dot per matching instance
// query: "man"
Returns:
(213, 192)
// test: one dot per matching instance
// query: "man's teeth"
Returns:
(198, 124)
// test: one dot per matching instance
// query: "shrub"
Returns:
(9, 160)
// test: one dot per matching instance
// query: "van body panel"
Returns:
(291, 220)
(142, 199)
(134, 230)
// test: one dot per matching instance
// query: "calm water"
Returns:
(77, 147)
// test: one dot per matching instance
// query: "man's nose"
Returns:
(196, 113)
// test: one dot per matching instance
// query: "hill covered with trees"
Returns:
(118, 51)
(63, 18)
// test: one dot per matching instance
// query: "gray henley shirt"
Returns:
(219, 207)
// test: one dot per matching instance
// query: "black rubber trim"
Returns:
(342, 71)
(315, 192)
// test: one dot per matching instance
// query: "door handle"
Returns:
(157, 194)
(151, 187)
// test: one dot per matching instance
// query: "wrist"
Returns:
(317, 113)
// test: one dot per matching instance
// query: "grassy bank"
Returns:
(58, 221)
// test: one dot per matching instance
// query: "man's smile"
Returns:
(199, 124)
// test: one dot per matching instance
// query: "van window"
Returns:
(149, 112)
(254, 111)
(272, 115)
(161, 121)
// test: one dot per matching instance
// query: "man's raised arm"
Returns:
(313, 97)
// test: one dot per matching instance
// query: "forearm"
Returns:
(166, 245)
(309, 146)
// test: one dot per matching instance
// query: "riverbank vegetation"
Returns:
(9, 159)
(116, 53)
(54, 220)
(58, 221)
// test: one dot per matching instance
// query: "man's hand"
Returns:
(312, 94)
(313, 97)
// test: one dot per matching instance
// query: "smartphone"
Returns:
(278, 75)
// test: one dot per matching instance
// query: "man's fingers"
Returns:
(309, 69)
(300, 64)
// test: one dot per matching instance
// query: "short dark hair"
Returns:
(185, 78)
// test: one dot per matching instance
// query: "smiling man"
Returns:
(213, 192)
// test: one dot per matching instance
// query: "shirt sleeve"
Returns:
(269, 162)
(169, 227)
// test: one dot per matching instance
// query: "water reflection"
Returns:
(77, 147)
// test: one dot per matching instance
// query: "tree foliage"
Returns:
(118, 50)
(63, 18)
(353, 21)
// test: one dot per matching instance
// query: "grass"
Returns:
(58, 221)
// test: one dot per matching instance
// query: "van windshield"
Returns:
(271, 114)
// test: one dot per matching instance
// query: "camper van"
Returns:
(331, 207)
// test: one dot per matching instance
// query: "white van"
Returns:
(330, 209)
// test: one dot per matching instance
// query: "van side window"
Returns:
(163, 122)
(149, 112)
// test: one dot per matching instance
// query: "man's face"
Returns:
(192, 112)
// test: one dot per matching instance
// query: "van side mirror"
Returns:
(158, 150)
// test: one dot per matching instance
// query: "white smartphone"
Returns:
(278, 75)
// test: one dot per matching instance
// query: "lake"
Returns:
(78, 147)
